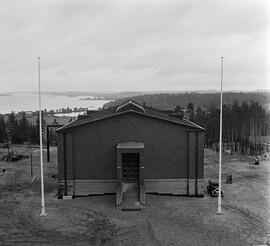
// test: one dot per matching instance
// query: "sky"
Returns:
(134, 45)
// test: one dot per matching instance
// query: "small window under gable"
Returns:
(130, 105)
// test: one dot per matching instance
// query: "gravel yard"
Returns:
(167, 220)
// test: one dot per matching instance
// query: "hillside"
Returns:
(169, 100)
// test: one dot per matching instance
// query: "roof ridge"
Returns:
(142, 110)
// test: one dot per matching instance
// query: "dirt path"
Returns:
(167, 220)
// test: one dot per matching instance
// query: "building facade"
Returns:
(131, 150)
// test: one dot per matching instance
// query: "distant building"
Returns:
(131, 150)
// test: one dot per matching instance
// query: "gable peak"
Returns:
(130, 105)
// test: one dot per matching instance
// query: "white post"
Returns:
(41, 147)
(220, 142)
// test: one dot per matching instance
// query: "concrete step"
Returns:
(130, 197)
(130, 207)
(136, 203)
(126, 194)
(129, 186)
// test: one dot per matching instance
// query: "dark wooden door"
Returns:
(131, 164)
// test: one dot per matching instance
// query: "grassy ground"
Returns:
(167, 220)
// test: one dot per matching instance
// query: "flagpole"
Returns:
(220, 142)
(41, 147)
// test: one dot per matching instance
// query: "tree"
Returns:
(33, 134)
(12, 127)
(23, 129)
(236, 128)
(178, 109)
(245, 114)
(199, 117)
(212, 122)
(190, 112)
(3, 133)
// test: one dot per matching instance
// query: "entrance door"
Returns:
(130, 164)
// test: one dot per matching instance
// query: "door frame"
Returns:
(130, 147)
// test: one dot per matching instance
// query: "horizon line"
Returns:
(132, 91)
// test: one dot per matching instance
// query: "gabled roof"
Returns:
(130, 106)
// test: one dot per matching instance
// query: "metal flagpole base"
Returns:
(219, 210)
(43, 213)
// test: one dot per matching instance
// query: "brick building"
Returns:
(131, 150)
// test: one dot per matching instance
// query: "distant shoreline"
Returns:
(29, 103)
(92, 99)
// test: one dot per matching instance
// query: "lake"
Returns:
(30, 102)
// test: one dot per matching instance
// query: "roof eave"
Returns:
(190, 124)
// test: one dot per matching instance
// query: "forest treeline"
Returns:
(240, 121)
(244, 114)
(21, 131)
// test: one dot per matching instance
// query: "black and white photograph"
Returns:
(135, 122)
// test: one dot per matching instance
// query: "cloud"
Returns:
(133, 44)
